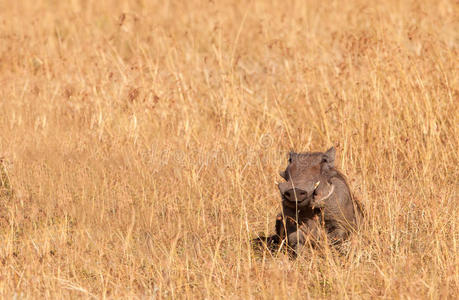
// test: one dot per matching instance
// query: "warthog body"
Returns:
(316, 201)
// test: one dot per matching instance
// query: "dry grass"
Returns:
(142, 142)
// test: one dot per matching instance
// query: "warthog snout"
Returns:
(295, 195)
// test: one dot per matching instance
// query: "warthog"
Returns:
(316, 201)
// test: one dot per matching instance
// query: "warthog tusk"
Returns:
(316, 185)
(328, 196)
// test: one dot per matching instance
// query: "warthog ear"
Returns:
(329, 157)
(290, 156)
(282, 174)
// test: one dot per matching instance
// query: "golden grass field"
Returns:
(141, 144)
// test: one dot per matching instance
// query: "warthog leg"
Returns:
(296, 241)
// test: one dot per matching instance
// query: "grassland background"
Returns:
(141, 142)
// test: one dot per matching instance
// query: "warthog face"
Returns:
(307, 177)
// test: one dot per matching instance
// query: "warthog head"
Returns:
(307, 177)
